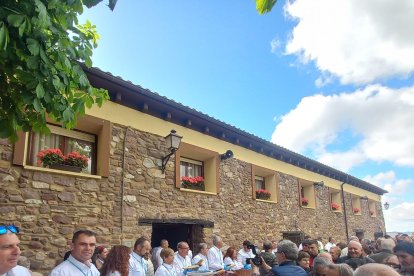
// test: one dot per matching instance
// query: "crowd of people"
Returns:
(386, 256)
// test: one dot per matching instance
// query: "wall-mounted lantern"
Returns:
(386, 205)
(172, 141)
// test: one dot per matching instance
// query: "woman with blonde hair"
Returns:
(167, 268)
(117, 262)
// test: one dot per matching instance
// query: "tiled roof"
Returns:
(134, 96)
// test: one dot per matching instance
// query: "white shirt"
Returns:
(137, 265)
(18, 271)
(344, 252)
(115, 273)
(150, 268)
(155, 255)
(204, 264)
(242, 255)
(215, 258)
(235, 264)
(165, 270)
(180, 262)
(329, 245)
(72, 267)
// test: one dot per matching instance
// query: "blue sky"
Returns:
(329, 79)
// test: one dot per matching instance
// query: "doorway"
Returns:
(172, 232)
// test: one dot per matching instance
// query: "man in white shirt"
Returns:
(245, 253)
(137, 263)
(330, 243)
(156, 258)
(10, 252)
(215, 256)
(78, 263)
(181, 258)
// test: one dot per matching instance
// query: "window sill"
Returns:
(308, 207)
(267, 201)
(357, 214)
(336, 211)
(197, 191)
(41, 169)
(373, 216)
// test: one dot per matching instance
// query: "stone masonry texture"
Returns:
(50, 207)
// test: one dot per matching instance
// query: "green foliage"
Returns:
(264, 6)
(41, 48)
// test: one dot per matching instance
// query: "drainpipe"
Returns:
(344, 208)
(123, 182)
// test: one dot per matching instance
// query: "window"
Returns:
(264, 182)
(335, 200)
(65, 140)
(356, 205)
(192, 161)
(372, 206)
(260, 182)
(307, 194)
(92, 136)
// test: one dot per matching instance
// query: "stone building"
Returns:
(123, 193)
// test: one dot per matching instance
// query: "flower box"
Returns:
(372, 213)
(193, 183)
(356, 210)
(263, 194)
(54, 159)
(335, 207)
(64, 167)
(304, 201)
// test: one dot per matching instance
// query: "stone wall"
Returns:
(49, 207)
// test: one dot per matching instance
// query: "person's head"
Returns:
(303, 260)
(354, 249)
(231, 253)
(313, 248)
(117, 259)
(286, 250)
(246, 245)
(405, 238)
(405, 254)
(392, 261)
(331, 240)
(274, 244)
(353, 238)
(167, 255)
(164, 243)
(341, 245)
(387, 244)
(183, 248)
(326, 255)
(9, 247)
(142, 246)
(365, 241)
(102, 251)
(374, 269)
(319, 265)
(217, 242)
(335, 252)
(305, 245)
(202, 248)
(267, 246)
(83, 245)
(338, 270)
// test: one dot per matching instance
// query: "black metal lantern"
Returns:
(172, 141)
(386, 205)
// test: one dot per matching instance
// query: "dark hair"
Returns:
(230, 252)
(267, 245)
(315, 242)
(405, 247)
(302, 255)
(140, 242)
(117, 260)
(246, 243)
(88, 233)
(98, 251)
(341, 245)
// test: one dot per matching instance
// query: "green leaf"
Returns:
(15, 19)
(56, 82)
(4, 36)
(264, 6)
(32, 62)
(33, 46)
(68, 115)
(37, 105)
(40, 92)
(91, 3)
(43, 17)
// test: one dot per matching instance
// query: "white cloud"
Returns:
(377, 120)
(357, 41)
(400, 218)
(274, 45)
(388, 180)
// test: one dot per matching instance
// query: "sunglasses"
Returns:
(11, 228)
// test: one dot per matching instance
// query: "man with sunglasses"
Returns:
(79, 261)
(10, 252)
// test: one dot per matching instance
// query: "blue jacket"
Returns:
(288, 268)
